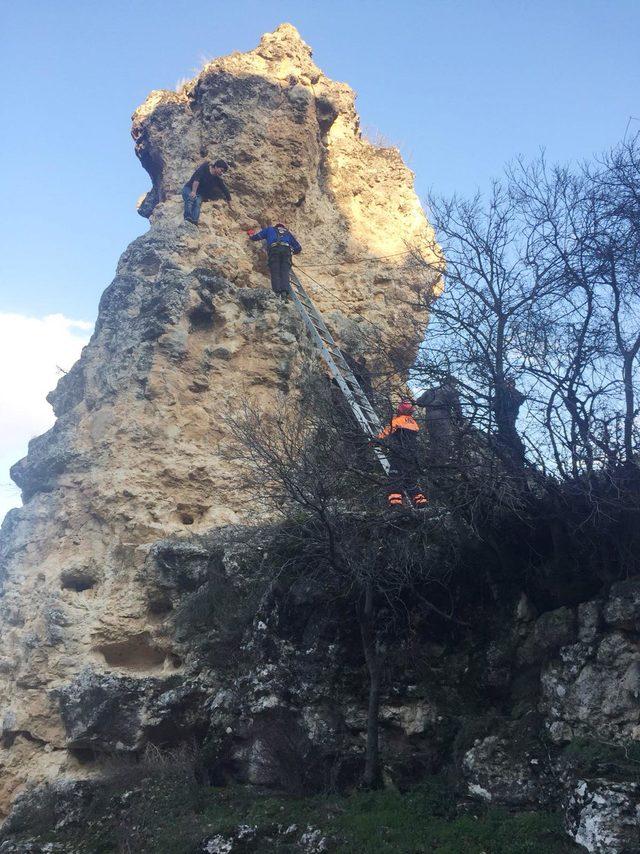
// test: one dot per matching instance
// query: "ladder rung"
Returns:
(357, 388)
(335, 352)
(363, 412)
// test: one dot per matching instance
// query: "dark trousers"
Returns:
(280, 269)
(403, 475)
(191, 206)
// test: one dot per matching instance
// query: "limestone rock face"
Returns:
(594, 688)
(604, 816)
(292, 138)
(493, 773)
(187, 330)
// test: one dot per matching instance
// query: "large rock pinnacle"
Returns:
(186, 329)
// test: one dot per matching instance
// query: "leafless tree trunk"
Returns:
(366, 618)
(304, 462)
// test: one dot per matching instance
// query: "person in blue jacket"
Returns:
(281, 244)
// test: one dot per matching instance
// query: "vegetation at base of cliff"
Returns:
(600, 758)
(164, 816)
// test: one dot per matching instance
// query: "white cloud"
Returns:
(33, 353)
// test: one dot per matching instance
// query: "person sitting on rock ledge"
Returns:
(280, 246)
(205, 184)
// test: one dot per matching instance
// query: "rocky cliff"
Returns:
(135, 616)
(187, 330)
(515, 709)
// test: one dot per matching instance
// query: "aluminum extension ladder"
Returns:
(358, 402)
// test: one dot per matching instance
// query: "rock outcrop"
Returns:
(268, 683)
(187, 330)
(130, 613)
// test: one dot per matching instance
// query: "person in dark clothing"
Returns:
(443, 416)
(281, 244)
(400, 439)
(508, 401)
(205, 184)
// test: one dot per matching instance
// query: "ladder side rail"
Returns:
(358, 391)
(324, 332)
(299, 289)
(329, 357)
(361, 416)
(368, 424)
(382, 459)
(355, 387)
(335, 372)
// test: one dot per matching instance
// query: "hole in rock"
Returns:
(182, 729)
(77, 579)
(159, 603)
(84, 755)
(327, 113)
(134, 653)
(186, 512)
(9, 737)
(201, 318)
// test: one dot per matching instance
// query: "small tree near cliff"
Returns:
(313, 470)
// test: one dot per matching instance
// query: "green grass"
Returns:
(396, 828)
(426, 819)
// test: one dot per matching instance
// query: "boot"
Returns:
(394, 499)
(420, 501)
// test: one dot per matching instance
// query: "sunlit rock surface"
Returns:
(186, 332)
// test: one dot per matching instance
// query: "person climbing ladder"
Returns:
(280, 245)
(400, 440)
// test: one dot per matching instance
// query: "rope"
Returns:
(350, 308)
(324, 289)
(362, 260)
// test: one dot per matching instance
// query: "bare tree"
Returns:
(478, 324)
(538, 330)
(317, 463)
(583, 238)
(539, 321)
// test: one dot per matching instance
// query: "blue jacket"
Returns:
(270, 234)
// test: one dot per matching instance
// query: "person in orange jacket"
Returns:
(400, 439)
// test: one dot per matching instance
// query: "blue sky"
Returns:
(461, 87)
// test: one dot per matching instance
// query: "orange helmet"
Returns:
(405, 407)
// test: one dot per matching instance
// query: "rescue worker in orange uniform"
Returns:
(400, 440)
